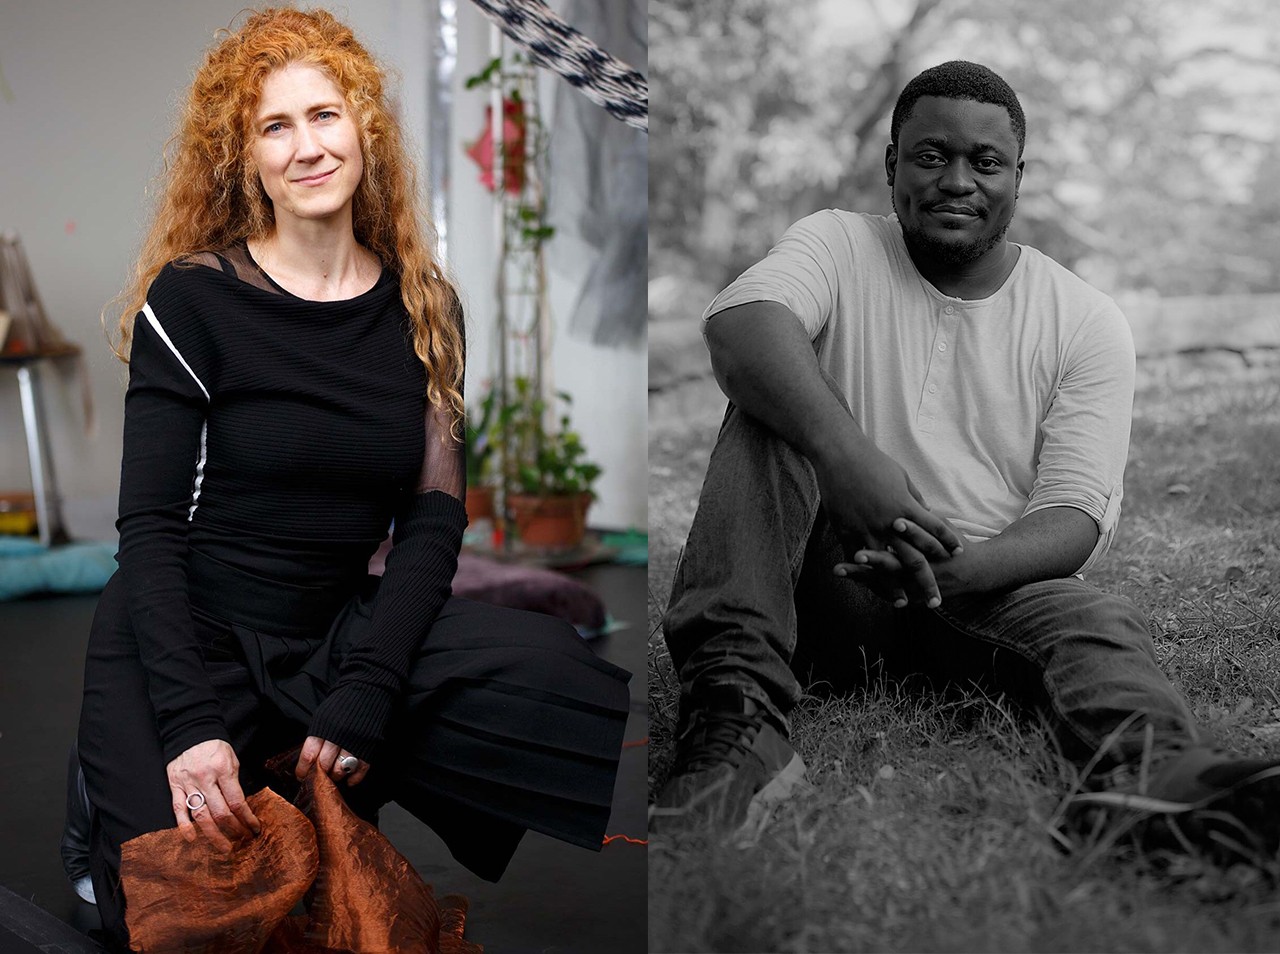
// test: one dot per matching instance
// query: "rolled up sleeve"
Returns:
(1085, 434)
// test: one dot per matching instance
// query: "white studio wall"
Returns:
(88, 93)
(85, 112)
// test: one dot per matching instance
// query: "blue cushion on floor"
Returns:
(26, 567)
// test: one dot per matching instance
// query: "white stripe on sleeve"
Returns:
(155, 324)
(195, 488)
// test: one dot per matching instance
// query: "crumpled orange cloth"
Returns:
(362, 895)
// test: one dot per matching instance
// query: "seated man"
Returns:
(924, 449)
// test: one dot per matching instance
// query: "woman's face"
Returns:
(306, 145)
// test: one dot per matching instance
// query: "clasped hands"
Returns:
(207, 799)
(893, 543)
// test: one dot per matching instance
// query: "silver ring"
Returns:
(348, 764)
(198, 805)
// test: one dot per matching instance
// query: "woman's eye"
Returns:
(274, 127)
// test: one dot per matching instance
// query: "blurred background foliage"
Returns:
(1152, 158)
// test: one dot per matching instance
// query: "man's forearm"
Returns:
(1046, 545)
(765, 364)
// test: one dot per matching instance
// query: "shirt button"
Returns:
(933, 389)
(949, 310)
(943, 346)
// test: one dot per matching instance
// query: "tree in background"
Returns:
(1152, 127)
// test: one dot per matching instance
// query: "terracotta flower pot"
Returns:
(550, 523)
(479, 503)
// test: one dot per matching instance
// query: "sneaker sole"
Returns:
(781, 787)
(1149, 803)
(84, 888)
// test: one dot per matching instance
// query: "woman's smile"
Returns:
(318, 179)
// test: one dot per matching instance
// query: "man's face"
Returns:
(955, 174)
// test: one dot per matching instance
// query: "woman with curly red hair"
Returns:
(296, 363)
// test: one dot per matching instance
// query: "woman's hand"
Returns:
(327, 756)
(207, 776)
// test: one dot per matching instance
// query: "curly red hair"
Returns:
(211, 196)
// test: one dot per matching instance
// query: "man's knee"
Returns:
(1108, 614)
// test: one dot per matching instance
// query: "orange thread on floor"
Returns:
(627, 838)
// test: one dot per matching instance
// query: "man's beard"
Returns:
(948, 255)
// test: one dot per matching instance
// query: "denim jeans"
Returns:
(754, 604)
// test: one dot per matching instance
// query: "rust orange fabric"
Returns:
(362, 895)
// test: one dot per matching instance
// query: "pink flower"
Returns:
(513, 136)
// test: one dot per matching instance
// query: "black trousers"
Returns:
(509, 723)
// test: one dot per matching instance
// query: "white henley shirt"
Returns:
(996, 407)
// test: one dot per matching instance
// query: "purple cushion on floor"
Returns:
(529, 588)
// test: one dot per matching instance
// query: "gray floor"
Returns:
(554, 898)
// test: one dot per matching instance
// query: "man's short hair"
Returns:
(960, 79)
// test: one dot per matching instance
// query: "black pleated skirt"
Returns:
(509, 722)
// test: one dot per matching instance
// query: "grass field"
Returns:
(931, 822)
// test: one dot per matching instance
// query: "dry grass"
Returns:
(932, 821)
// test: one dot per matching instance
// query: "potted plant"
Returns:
(549, 480)
(479, 453)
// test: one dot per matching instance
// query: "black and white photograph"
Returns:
(964, 414)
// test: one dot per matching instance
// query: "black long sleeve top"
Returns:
(285, 435)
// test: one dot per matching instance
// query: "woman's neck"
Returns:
(315, 261)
